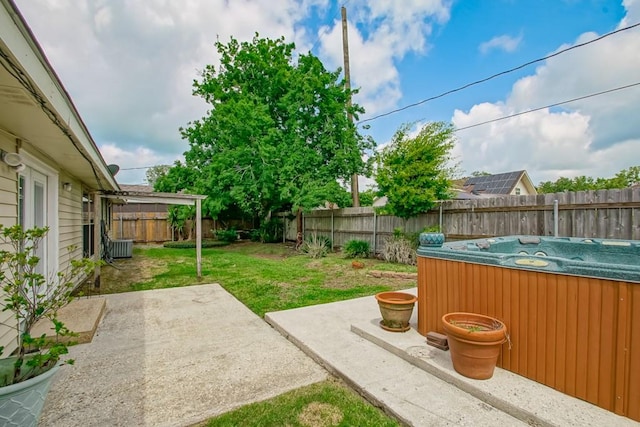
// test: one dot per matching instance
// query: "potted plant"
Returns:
(25, 376)
(432, 237)
(475, 342)
(396, 309)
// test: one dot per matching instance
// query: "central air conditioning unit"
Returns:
(121, 248)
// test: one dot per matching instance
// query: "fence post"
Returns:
(331, 230)
(555, 218)
(375, 228)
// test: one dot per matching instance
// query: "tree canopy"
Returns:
(623, 179)
(414, 172)
(276, 135)
(155, 172)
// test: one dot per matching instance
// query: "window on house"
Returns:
(517, 191)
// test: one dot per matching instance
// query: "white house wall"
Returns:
(8, 217)
(68, 221)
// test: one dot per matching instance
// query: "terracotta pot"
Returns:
(475, 342)
(357, 264)
(396, 309)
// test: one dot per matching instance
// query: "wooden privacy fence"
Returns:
(148, 227)
(610, 214)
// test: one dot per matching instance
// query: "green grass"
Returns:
(265, 277)
(327, 403)
(269, 277)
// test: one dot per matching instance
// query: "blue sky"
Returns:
(129, 66)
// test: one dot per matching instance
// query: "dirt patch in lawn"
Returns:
(345, 277)
(125, 272)
(317, 414)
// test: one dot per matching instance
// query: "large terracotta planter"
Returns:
(21, 403)
(396, 309)
(475, 342)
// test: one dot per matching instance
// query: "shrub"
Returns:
(399, 250)
(316, 246)
(254, 235)
(190, 244)
(356, 249)
(229, 235)
(270, 231)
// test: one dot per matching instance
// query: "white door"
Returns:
(32, 211)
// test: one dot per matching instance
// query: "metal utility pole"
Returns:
(355, 195)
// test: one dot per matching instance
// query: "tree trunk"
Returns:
(299, 229)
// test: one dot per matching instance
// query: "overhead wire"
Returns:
(549, 106)
(493, 76)
(325, 29)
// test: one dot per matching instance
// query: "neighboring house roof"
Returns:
(501, 183)
(36, 110)
(137, 188)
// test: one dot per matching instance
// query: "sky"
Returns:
(129, 68)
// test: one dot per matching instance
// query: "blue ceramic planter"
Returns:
(433, 240)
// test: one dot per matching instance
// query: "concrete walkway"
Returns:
(416, 382)
(174, 357)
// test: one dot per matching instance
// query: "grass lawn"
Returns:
(324, 404)
(265, 277)
(269, 277)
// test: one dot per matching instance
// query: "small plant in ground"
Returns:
(400, 250)
(316, 246)
(229, 235)
(30, 297)
(356, 249)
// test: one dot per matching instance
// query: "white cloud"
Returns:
(129, 66)
(594, 137)
(393, 29)
(504, 42)
(133, 163)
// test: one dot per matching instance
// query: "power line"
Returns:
(458, 89)
(548, 106)
(138, 168)
(325, 29)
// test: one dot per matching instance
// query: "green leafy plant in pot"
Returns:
(30, 297)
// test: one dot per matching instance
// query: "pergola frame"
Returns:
(170, 199)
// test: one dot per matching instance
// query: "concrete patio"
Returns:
(175, 357)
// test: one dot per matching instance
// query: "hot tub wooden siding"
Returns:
(579, 335)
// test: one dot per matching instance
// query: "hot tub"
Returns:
(572, 307)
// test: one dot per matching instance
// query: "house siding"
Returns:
(8, 217)
(69, 222)
(69, 225)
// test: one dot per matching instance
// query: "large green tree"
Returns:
(623, 179)
(277, 134)
(415, 172)
(155, 172)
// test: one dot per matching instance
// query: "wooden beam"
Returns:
(199, 238)
(97, 237)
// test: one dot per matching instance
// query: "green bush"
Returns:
(316, 246)
(254, 235)
(229, 235)
(356, 249)
(270, 231)
(190, 244)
